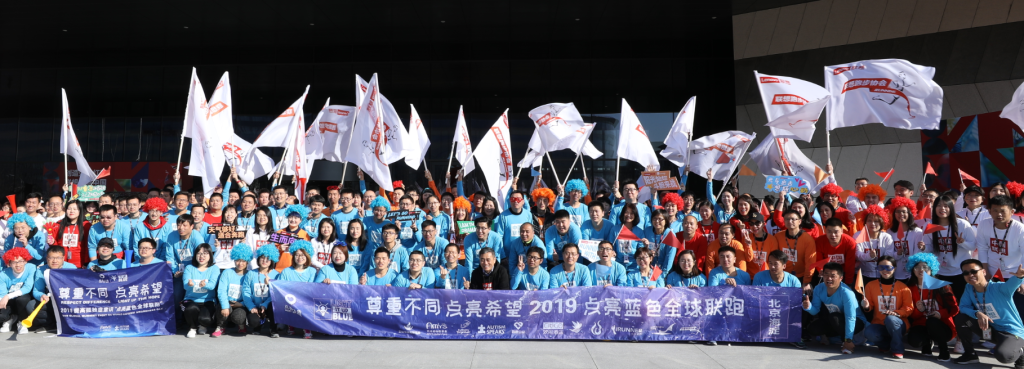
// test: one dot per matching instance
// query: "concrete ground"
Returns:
(36, 350)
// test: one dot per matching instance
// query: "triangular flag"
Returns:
(885, 175)
(764, 210)
(929, 170)
(846, 193)
(819, 174)
(14, 204)
(965, 176)
(655, 273)
(861, 236)
(932, 228)
(764, 265)
(901, 234)
(999, 275)
(626, 234)
(818, 265)
(746, 171)
(671, 240)
(858, 285)
(932, 283)
(103, 173)
(925, 212)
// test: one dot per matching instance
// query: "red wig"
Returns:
(897, 202)
(545, 193)
(461, 203)
(674, 198)
(396, 185)
(872, 189)
(1014, 188)
(830, 189)
(155, 203)
(875, 210)
(17, 252)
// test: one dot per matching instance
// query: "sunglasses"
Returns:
(971, 272)
(886, 268)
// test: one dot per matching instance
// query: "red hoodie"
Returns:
(845, 253)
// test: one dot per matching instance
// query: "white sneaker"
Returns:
(959, 348)
(191, 333)
(22, 329)
(6, 326)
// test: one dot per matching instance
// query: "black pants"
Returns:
(202, 314)
(19, 308)
(1008, 346)
(237, 315)
(959, 284)
(933, 330)
(46, 318)
(830, 324)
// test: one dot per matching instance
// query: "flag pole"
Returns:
(351, 132)
(553, 171)
(571, 167)
(520, 168)
(448, 179)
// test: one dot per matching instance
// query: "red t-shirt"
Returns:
(845, 253)
(74, 240)
(698, 244)
(710, 232)
(210, 219)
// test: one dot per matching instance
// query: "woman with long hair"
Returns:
(462, 214)
(222, 255)
(951, 245)
(907, 237)
(685, 273)
(878, 243)
(338, 271)
(355, 241)
(300, 271)
(200, 281)
(324, 242)
(256, 289)
(73, 234)
(629, 217)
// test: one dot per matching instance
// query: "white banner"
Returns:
(894, 92)
(783, 95)
(800, 123)
(207, 160)
(463, 147)
(559, 126)
(719, 152)
(336, 131)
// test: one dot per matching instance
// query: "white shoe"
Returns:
(191, 333)
(958, 348)
(6, 326)
(22, 329)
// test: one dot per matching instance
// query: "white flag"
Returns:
(463, 148)
(781, 157)
(495, 147)
(219, 116)
(336, 131)
(69, 144)
(894, 92)
(559, 126)
(248, 161)
(395, 134)
(1014, 111)
(279, 133)
(314, 138)
(532, 159)
(799, 124)
(419, 142)
(677, 143)
(207, 160)
(719, 152)
(295, 161)
(582, 142)
(368, 146)
(633, 141)
(782, 95)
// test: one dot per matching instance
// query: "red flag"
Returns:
(764, 211)
(103, 173)
(862, 236)
(901, 233)
(14, 204)
(925, 212)
(858, 285)
(626, 234)
(999, 275)
(655, 273)
(671, 240)
(885, 175)
(816, 266)
(965, 176)
(932, 228)
(929, 170)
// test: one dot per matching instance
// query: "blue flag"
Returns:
(932, 283)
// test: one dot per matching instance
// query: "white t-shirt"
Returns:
(1000, 248)
(974, 218)
(867, 264)
(904, 248)
(942, 246)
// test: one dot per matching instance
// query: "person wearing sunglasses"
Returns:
(987, 309)
(890, 303)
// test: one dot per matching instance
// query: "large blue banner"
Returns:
(121, 303)
(736, 314)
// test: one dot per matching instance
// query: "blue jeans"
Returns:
(888, 336)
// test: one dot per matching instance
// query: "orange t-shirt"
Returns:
(286, 257)
(801, 253)
(758, 251)
(711, 260)
(894, 297)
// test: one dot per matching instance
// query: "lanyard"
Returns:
(983, 299)
(892, 293)
(975, 220)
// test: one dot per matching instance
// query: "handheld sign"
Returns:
(660, 180)
(226, 232)
(466, 226)
(91, 193)
(402, 216)
(283, 239)
(588, 249)
(791, 184)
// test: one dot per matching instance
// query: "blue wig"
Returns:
(923, 257)
(241, 251)
(268, 250)
(380, 201)
(301, 245)
(576, 184)
(21, 218)
(299, 210)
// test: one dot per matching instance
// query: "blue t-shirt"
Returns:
(718, 276)
(676, 280)
(764, 278)
(997, 301)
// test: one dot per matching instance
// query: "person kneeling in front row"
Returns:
(833, 308)
(987, 309)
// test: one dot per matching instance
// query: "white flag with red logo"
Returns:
(799, 124)
(249, 162)
(531, 160)
(719, 152)
(677, 143)
(463, 148)
(207, 160)
(314, 139)
(69, 144)
(419, 142)
(280, 132)
(335, 130)
(219, 115)
(781, 157)
(1014, 110)
(496, 147)
(367, 150)
(894, 92)
(633, 141)
(395, 135)
(296, 162)
(582, 145)
(559, 126)
(783, 95)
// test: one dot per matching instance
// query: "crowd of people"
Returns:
(871, 266)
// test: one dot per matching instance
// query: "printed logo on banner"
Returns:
(773, 326)
(436, 328)
(329, 309)
(407, 329)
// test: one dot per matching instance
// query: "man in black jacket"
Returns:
(490, 275)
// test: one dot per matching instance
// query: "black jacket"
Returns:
(497, 280)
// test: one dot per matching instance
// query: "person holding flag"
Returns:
(578, 190)
(952, 239)
(643, 273)
(931, 320)
(872, 241)
(654, 239)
